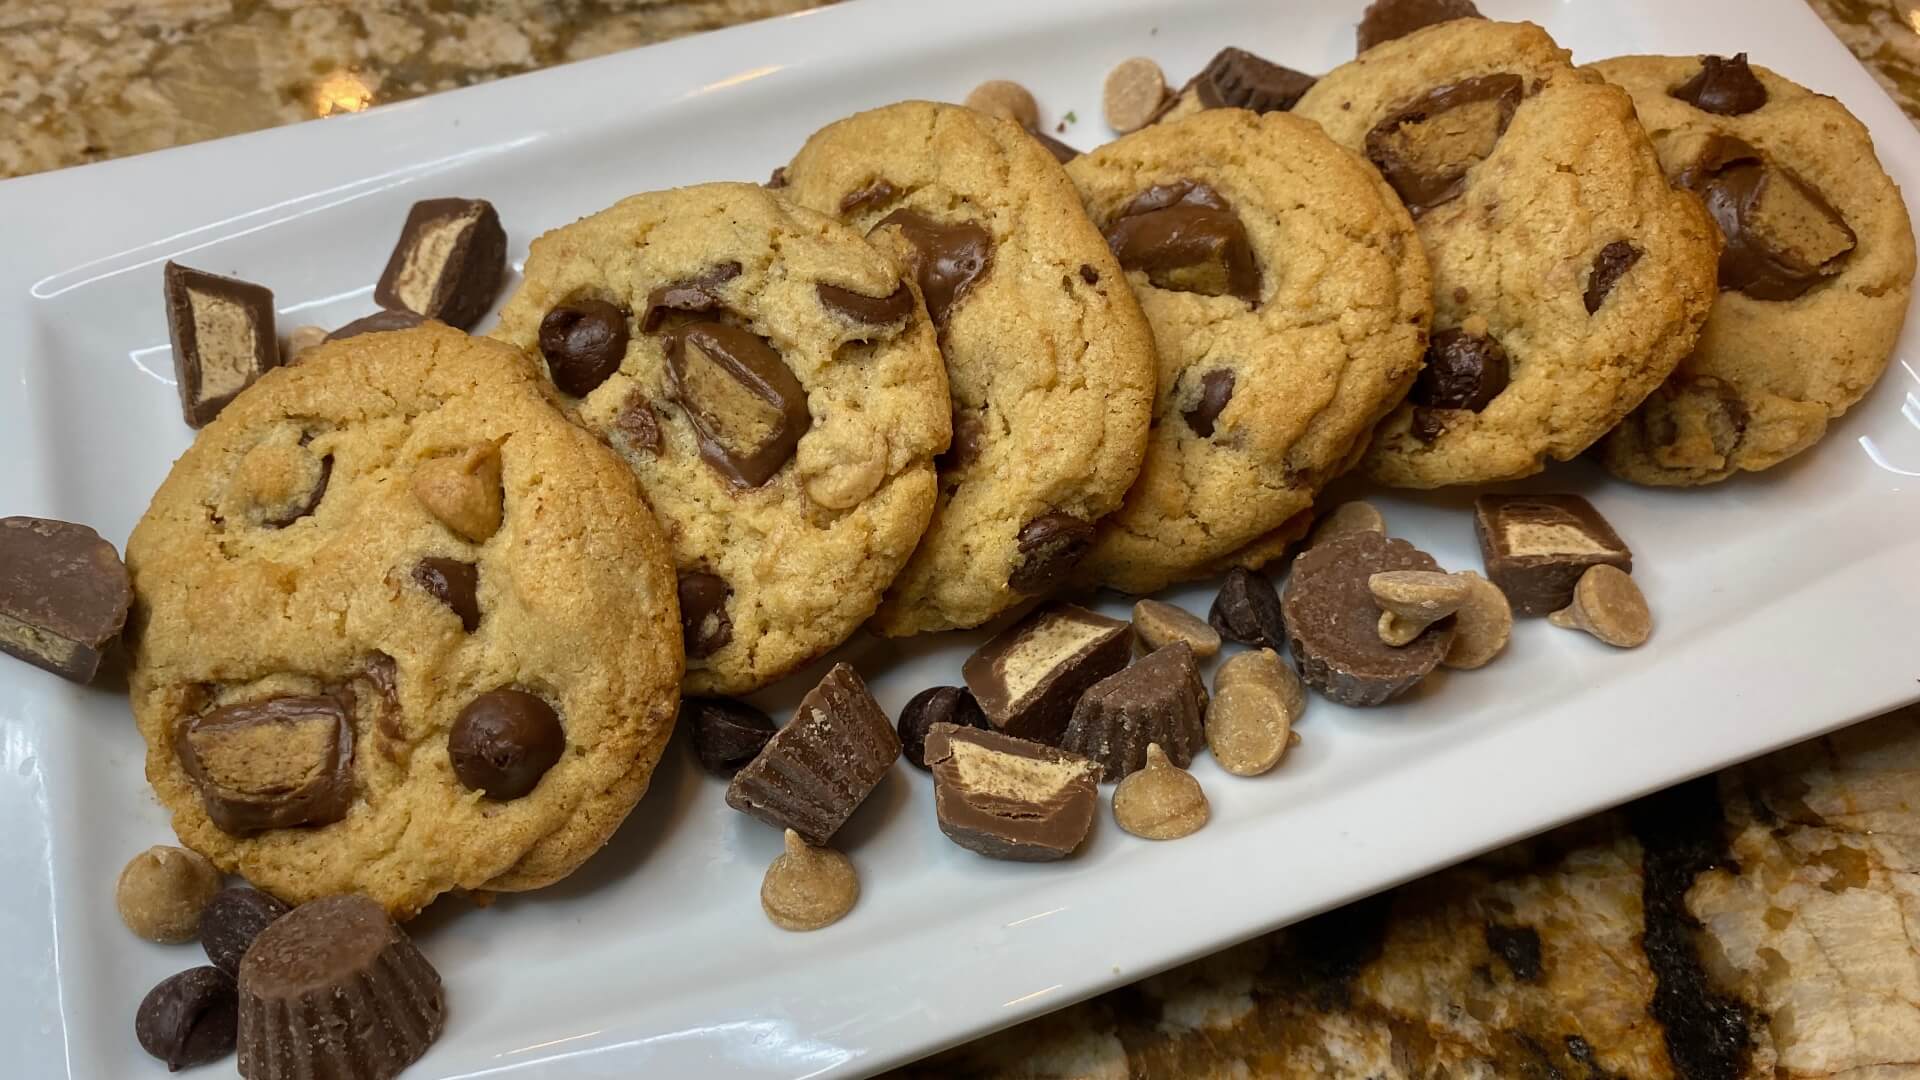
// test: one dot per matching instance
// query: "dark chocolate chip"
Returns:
(271, 764)
(779, 177)
(861, 308)
(747, 409)
(230, 922)
(64, 595)
(1247, 610)
(453, 583)
(1609, 267)
(698, 295)
(1089, 275)
(1061, 152)
(969, 437)
(935, 705)
(215, 358)
(1723, 87)
(448, 262)
(637, 422)
(503, 742)
(1463, 371)
(583, 342)
(189, 1019)
(1783, 236)
(1237, 79)
(726, 733)
(704, 622)
(1427, 424)
(946, 259)
(1385, 20)
(1186, 238)
(1426, 150)
(874, 195)
(1216, 390)
(379, 322)
(1050, 546)
(309, 504)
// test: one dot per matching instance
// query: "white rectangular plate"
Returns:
(1785, 603)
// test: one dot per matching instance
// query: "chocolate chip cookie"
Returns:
(1289, 300)
(1814, 280)
(1049, 360)
(774, 382)
(1569, 277)
(399, 628)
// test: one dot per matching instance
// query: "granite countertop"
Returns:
(1758, 923)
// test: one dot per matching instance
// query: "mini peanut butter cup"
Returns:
(1160, 699)
(815, 772)
(1333, 621)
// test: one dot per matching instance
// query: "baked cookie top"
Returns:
(1569, 277)
(1814, 283)
(363, 548)
(774, 382)
(1289, 301)
(1049, 360)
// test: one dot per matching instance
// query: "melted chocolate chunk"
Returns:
(747, 409)
(1426, 149)
(946, 259)
(1237, 79)
(453, 583)
(1385, 20)
(311, 503)
(637, 423)
(503, 742)
(583, 343)
(1061, 152)
(693, 296)
(1463, 371)
(1723, 87)
(703, 613)
(1186, 238)
(871, 310)
(1609, 267)
(1783, 236)
(874, 195)
(271, 764)
(1051, 545)
(1216, 390)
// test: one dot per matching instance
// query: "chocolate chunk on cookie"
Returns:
(64, 595)
(747, 408)
(1782, 236)
(223, 338)
(1723, 86)
(1333, 621)
(448, 262)
(1426, 149)
(1186, 237)
(272, 763)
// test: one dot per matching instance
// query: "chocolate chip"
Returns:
(1009, 798)
(726, 733)
(1237, 79)
(64, 595)
(503, 742)
(448, 262)
(223, 338)
(1050, 546)
(583, 342)
(271, 764)
(969, 437)
(1247, 610)
(1463, 371)
(1216, 389)
(779, 177)
(380, 322)
(637, 422)
(818, 769)
(946, 259)
(1609, 266)
(1535, 547)
(747, 409)
(1427, 424)
(308, 503)
(453, 583)
(1333, 621)
(1089, 275)
(1783, 236)
(230, 922)
(1723, 87)
(935, 705)
(1385, 20)
(1186, 238)
(872, 310)
(189, 1019)
(1029, 676)
(703, 613)
(698, 295)
(1426, 149)
(877, 194)
(1061, 152)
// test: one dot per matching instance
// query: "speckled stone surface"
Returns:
(1760, 924)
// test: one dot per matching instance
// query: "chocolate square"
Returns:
(448, 262)
(1030, 676)
(223, 338)
(1536, 547)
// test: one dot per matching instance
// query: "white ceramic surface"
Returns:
(1785, 603)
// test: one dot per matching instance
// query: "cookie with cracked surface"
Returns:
(1569, 277)
(362, 550)
(774, 382)
(1289, 301)
(1049, 360)
(1811, 302)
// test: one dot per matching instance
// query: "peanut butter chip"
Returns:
(1256, 699)
(1007, 100)
(463, 491)
(1481, 626)
(1348, 517)
(1608, 605)
(300, 339)
(1264, 666)
(162, 892)
(1157, 624)
(808, 887)
(1134, 91)
(1412, 600)
(1161, 801)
